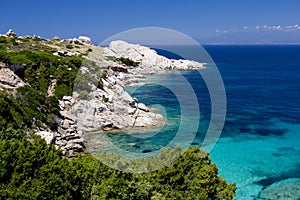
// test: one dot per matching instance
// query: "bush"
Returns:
(69, 46)
(102, 76)
(105, 99)
(83, 95)
(62, 90)
(127, 61)
(3, 39)
(50, 121)
(100, 84)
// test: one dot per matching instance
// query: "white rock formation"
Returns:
(47, 136)
(8, 79)
(51, 88)
(85, 39)
(113, 108)
(68, 138)
(11, 33)
(66, 53)
(150, 61)
(76, 41)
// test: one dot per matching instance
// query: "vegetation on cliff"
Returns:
(32, 106)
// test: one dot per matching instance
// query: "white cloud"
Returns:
(279, 27)
(265, 27)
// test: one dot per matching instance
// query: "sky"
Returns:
(206, 21)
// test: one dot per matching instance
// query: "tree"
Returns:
(192, 176)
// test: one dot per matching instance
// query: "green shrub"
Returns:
(83, 95)
(127, 61)
(111, 58)
(50, 121)
(69, 46)
(100, 84)
(62, 90)
(105, 99)
(3, 40)
(102, 76)
(83, 82)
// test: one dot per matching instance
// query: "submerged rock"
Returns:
(282, 190)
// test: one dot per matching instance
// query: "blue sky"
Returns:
(209, 21)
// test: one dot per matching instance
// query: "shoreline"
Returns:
(113, 99)
(100, 101)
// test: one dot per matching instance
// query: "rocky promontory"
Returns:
(99, 101)
(149, 61)
(110, 106)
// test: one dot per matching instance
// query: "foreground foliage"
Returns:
(32, 170)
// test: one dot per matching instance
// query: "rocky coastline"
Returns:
(104, 105)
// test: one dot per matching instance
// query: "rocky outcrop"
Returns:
(48, 136)
(51, 88)
(9, 81)
(66, 53)
(10, 33)
(81, 40)
(85, 39)
(106, 109)
(68, 138)
(113, 108)
(150, 61)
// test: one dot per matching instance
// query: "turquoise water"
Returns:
(259, 145)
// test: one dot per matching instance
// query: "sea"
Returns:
(259, 146)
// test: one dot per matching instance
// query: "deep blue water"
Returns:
(259, 145)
